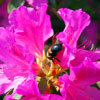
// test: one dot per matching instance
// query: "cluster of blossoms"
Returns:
(24, 64)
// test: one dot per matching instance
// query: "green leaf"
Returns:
(8, 93)
(13, 4)
(98, 84)
(17, 96)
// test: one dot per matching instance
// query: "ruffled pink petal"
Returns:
(12, 56)
(80, 55)
(94, 93)
(85, 74)
(32, 27)
(28, 88)
(6, 84)
(73, 91)
(75, 22)
(37, 3)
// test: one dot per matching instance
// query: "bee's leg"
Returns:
(57, 59)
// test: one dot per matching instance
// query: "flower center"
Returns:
(50, 73)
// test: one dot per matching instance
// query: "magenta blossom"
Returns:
(32, 31)
(16, 59)
(37, 3)
(25, 56)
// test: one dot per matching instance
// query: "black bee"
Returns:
(53, 50)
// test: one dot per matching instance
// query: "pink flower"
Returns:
(77, 86)
(37, 3)
(15, 59)
(25, 57)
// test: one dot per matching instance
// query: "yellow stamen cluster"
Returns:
(50, 70)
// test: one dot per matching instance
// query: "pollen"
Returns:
(49, 73)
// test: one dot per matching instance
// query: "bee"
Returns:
(53, 51)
